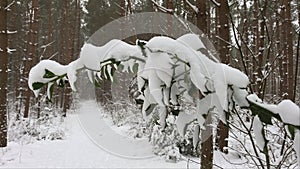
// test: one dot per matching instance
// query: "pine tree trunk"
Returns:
(68, 56)
(32, 52)
(3, 73)
(207, 145)
(289, 46)
(224, 34)
(202, 16)
(261, 49)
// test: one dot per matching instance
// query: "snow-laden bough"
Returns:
(167, 70)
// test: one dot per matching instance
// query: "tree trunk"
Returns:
(261, 49)
(3, 73)
(297, 58)
(289, 49)
(68, 56)
(32, 51)
(207, 145)
(284, 58)
(224, 34)
(202, 16)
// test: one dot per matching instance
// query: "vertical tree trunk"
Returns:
(284, 58)
(297, 58)
(32, 48)
(3, 73)
(277, 48)
(261, 49)
(49, 31)
(289, 49)
(255, 29)
(206, 147)
(68, 56)
(224, 34)
(202, 16)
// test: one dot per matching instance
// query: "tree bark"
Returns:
(224, 34)
(207, 145)
(284, 58)
(289, 49)
(3, 73)
(68, 57)
(202, 16)
(32, 51)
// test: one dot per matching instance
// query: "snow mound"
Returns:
(289, 112)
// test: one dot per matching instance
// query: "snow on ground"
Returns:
(76, 151)
(81, 149)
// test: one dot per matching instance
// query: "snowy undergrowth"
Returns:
(126, 119)
(48, 126)
(279, 145)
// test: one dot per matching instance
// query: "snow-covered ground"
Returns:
(83, 148)
(78, 150)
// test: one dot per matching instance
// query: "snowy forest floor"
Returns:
(77, 150)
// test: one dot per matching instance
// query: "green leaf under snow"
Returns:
(149, 109)
(48, 74)
(292, 131)
(135, 68)
(50, 92)
(96, 83)
(37, 85)
(61, 83)
(264, 115)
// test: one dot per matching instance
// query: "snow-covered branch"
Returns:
(161, 8)
(9, 5)
(195, 9)
(216, 3)
(168, 69)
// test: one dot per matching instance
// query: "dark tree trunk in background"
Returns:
(261, 51)
(32, 51)
(3, 73)
(284, 58)
(289, 49)
(224, 46)
(206, 150)
(202, 16)
(68, 57)
(206, 147)
(296, 84)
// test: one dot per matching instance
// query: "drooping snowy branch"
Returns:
(168, 69)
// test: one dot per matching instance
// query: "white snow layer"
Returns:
(258, 129)
(91, 56)
(167, 60)
(296, 145)
(37, 72)
(182, 120)
(287, 110)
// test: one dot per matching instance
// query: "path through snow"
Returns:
(107, 138)
(78, 150)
